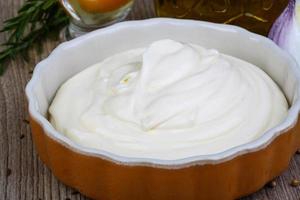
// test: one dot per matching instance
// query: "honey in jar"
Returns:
(254, 15)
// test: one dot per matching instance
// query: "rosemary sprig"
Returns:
(36, 20)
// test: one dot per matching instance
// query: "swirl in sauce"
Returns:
(168, 101)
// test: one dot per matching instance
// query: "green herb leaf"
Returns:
(36, 20)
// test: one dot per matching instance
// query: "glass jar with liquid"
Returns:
(87, 15)
(254, 15)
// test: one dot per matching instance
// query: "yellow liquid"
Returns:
(96, 18)
(254, 15)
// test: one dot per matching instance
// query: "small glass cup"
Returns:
(88, 15)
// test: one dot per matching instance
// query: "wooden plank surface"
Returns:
(23, 175)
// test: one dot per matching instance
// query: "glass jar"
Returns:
(88, 15)
(254, 15)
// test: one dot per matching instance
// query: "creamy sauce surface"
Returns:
(168, 101)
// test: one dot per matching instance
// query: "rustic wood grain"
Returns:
(22, 175)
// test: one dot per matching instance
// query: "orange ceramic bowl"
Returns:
(102, 175)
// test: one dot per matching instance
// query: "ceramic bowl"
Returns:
(102, 175)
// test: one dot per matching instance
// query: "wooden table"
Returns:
(22, 174)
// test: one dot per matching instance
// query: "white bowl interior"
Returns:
(74, 56)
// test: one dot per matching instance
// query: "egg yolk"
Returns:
(101, 5)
